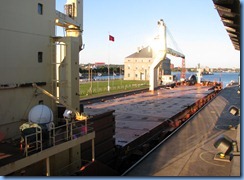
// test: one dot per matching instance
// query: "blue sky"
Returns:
(194, 24)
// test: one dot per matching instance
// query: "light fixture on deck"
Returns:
(234, 111)
(226, 147)
(239, 91)
(67, 114)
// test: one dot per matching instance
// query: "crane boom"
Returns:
(178, 54)
(79, 117)
(175, 53)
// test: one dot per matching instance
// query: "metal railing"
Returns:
(43, 139)
(33, 145)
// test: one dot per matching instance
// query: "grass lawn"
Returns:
(97, 88)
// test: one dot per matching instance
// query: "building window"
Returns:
(129, 75)
(40, 57)
(40, 8)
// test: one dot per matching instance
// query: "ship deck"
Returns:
(140, 117)
(190, 151)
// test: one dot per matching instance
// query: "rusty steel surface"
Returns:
(138, 114)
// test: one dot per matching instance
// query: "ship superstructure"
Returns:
(40, 76)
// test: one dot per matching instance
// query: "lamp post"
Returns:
(120, 75)
(91, 79)
(108, 79)
(90, 76)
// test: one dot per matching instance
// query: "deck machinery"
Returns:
(159, 54)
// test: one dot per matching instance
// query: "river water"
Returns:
(224, 77)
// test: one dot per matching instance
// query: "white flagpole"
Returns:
(108, 60)
(111, 38)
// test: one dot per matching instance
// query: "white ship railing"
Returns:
(58, 134)
(31, 146)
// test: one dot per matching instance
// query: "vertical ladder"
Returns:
(58, 54)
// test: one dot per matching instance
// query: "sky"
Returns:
(195, 26)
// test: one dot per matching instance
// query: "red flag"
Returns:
(111, 38)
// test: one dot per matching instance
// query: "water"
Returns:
(103, 78)
(223, 77)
